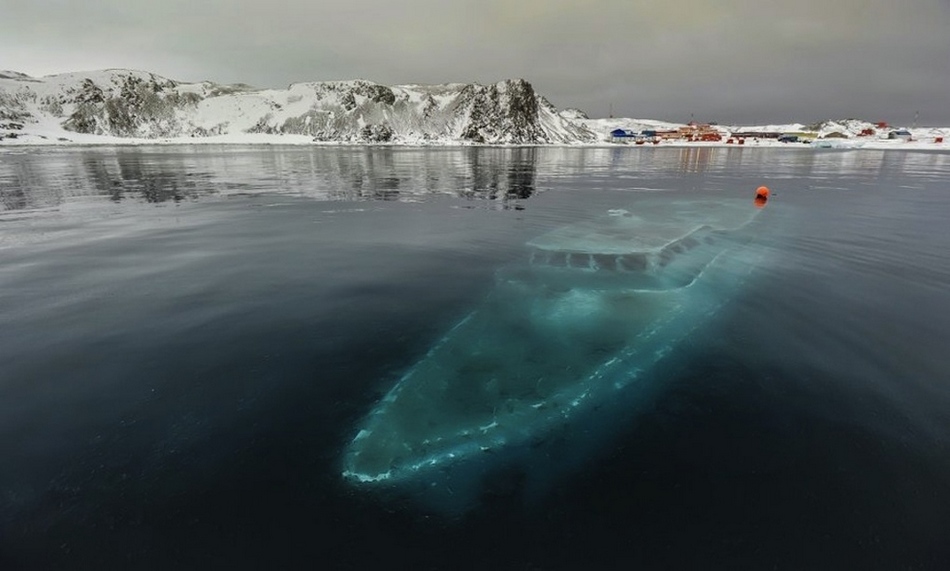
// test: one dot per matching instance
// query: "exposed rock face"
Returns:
(136, 107)
(376, 133)
(123, 103)
(13, 106)
(506, 110)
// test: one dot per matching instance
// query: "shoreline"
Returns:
(35, 141)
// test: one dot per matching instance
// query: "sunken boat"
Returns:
(562, 344)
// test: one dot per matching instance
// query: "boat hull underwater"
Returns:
(562, 351)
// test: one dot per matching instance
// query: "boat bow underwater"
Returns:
(559, 344)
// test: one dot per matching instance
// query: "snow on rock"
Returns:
(573, 114)
(121, 106)
(137, 105)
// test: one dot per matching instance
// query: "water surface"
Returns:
(190, 337)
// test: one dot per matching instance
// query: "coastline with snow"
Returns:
(134, 108)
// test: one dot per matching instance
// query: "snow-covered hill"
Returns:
(84, 107)
(127, 106)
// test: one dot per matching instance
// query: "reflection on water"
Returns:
(48, 177)
(175, 174)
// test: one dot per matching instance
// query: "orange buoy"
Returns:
(761, 196)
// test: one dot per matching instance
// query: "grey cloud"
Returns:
(732, 60)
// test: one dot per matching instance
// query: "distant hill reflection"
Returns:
(496, 177)
(159, 175)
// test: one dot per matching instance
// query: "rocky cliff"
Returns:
(141, 105)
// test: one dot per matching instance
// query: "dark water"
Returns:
(188, 338)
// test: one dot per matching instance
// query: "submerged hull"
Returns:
(598, 307)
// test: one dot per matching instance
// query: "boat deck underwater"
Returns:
(596, 306)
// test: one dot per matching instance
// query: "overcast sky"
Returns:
(751, 61)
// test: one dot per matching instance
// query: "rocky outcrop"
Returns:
(137, 107)
(125, 103)
(506, 112)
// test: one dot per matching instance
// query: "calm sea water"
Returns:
(189, 336)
